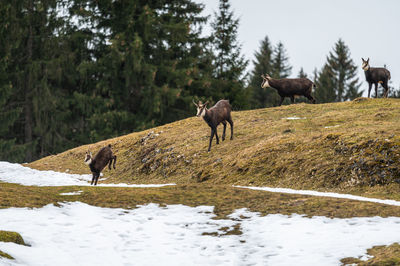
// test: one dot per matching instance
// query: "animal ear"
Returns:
(262, 75)
(368, 60)
(205, 103)
(362, 59)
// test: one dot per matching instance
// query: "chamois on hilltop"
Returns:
(289, 87)
(103, 157)
(376, 75)
(219, 113)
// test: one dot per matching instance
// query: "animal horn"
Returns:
(205, 103)
(194, 102)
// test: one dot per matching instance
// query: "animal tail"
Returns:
(389, 76)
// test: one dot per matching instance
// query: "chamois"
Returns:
(219, 113)
(375, 75)
(103, 157)
(289, 87)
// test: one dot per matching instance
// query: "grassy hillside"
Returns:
(348, 147)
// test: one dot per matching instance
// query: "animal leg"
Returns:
(93, 178)
(310, 98)
(376, 90)
(292, 99)
(231, 124)
(211, 137)
(109, 163)
(369, 89)
(223, 133)
(115, 160)
(216, 136)
(97, 178)
(282, 98)
(386, 87)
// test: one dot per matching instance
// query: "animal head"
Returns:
(365, 64)
(88, 157)
(201, 107)
(265, 82)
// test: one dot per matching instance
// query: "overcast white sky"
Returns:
(309, 29)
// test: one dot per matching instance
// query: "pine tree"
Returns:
(302, 74)
(393, 93)
(280, 68)
(229, 63)
(280, 62)
(344, 70)
(325, 85)
(262, 65)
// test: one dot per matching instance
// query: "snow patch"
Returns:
(71, 193)
(323, 194)
(16, 173)
(80, 234)
(294, 118)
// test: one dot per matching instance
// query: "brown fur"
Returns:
(377, 75)
(219, 113)
(103, 157)
(291, 87)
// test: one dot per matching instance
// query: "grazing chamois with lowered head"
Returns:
(376, 75)
(289, 87)
(103, 157)
(219, 113)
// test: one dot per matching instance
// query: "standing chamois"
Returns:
(375, 75)
(289, 87)
(103, 157)
(219, 113)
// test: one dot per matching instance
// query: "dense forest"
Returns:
(77, 71)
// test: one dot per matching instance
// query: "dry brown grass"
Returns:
(224, 198)
(382, 256)
(357, 153)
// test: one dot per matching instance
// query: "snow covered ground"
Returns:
(80, 234)
(323, 194)
(16, 173)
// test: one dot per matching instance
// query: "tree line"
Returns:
(74, 72)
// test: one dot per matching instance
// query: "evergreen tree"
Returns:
(394, 93)
(262, 65)
(344, 70)
(151, 63)
(280, 62)
(325, 85)
(280, 68)
(302, 74)
(34, 72)
(229, 63)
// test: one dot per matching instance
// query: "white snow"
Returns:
(294, 118)
(16, 173)
(80, 234)
(71, 193)
(323, 194)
